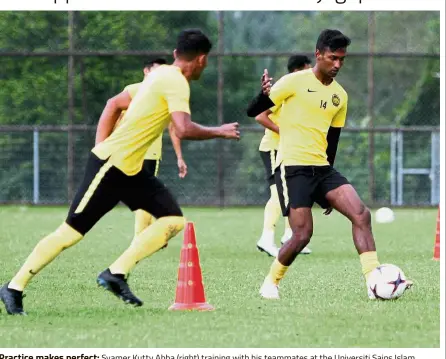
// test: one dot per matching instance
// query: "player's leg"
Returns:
(144, 219)
(296, 202)
(272, 208)
(280, 194)
(301, 221)
(346, 200)
(149, 194)
(343, 197)
(271, 215)
(94, 198)
(288, 232)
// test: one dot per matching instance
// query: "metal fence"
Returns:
(59, 69)
(34, 166)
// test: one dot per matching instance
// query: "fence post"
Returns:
(36, 167)
(370, 107)
(393, 168)
(220, 117)
(400, 166)
(435, 168)
(70, 149)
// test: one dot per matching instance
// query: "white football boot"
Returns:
(266, 244)
(269, 290)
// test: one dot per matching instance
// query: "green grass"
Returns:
(323, 298)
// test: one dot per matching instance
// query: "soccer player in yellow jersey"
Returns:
(114, 173)
(152, 157)
(268, 153)
(313, 113)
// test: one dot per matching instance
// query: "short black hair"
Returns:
(150, 63)
(191, 43)
(297, 62)
(332, 39)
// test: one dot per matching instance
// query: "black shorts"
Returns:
(269, 160)
(151, 167)
(302, 186)
(104, 186)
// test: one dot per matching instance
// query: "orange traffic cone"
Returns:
(437, 238)
(190, 291)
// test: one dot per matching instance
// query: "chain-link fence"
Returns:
(34, 166)
(59, 69)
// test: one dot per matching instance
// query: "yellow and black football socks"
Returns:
(44, 252)
(369, 261)
(277, 271)
(148, 242)
(143, 219)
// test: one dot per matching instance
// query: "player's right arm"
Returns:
(110, 115)
(266, 122)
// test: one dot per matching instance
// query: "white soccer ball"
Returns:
(387, 282)
(384, 215)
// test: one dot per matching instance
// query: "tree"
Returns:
(34, 89)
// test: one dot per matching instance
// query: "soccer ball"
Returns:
(384, 215)
(386, 282)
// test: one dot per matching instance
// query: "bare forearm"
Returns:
(112, 110)
(185, 129)
(107, 122)
(266, 122)
(194, 131)
(176, 142)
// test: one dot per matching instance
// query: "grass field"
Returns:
(323, 298)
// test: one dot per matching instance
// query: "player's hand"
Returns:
(230, 131)
(182, 168)
(328, 211)
(266, 82)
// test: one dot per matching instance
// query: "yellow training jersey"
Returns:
(309, 109)
(270, 141)
(164, 91)
(155, 150)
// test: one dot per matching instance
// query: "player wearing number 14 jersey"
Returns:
(312, 115)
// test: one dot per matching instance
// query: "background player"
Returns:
(268, 152)
(114, 173)
(153, 156)
(311, 120)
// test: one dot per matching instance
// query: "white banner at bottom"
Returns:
(222, 353)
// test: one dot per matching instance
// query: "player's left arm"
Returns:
(334, 132)
(111, 113)
(266, 122)
(176, 93)
(176, 142)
